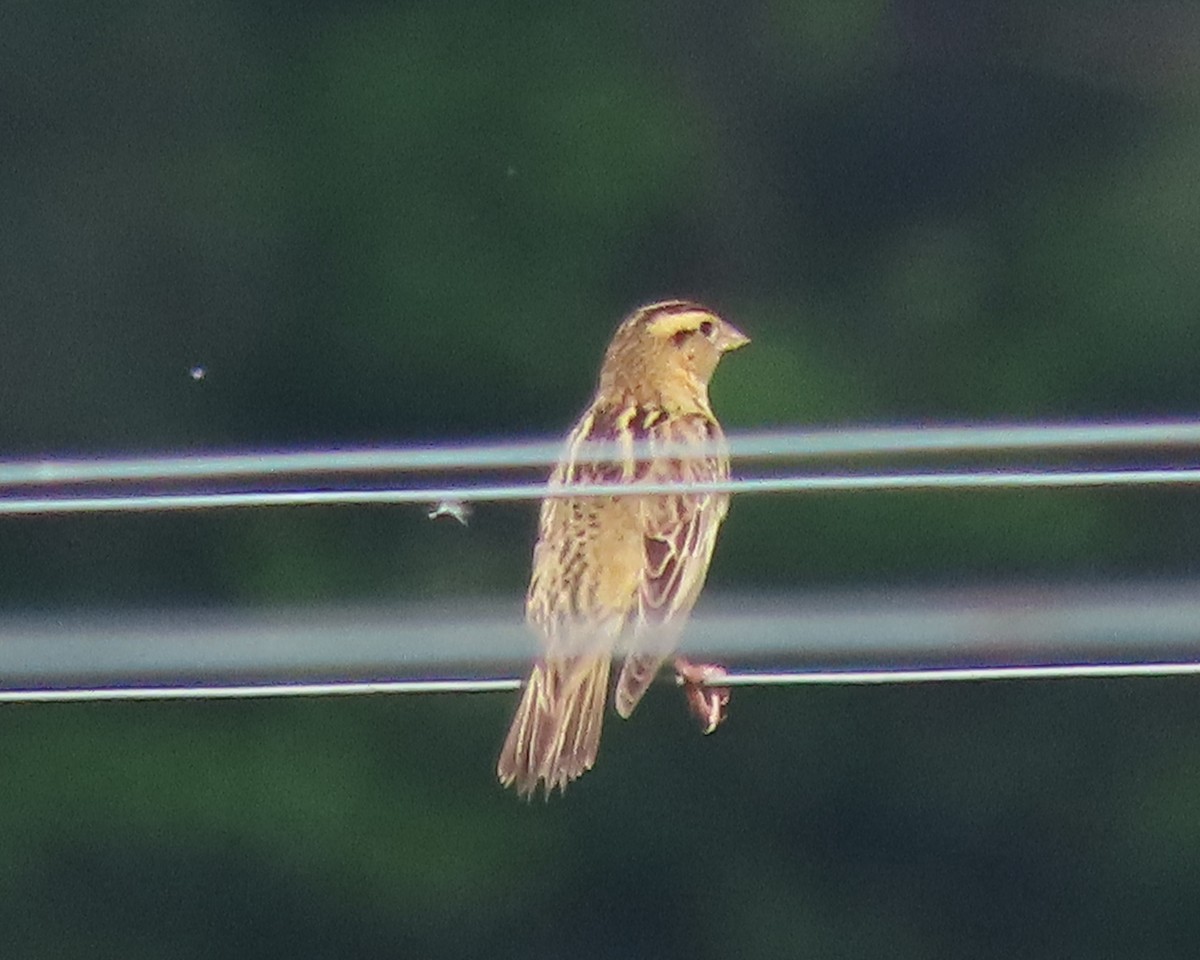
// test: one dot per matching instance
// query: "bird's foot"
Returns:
(705, 699)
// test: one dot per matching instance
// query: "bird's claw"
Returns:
(705, 699)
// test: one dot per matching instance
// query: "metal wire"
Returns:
(879, 632)
(258, 691)
(1096, 622)
(779, 445)
(996, 479)
(279, 468)
(497, 684)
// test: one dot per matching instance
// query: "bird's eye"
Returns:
(706, 329)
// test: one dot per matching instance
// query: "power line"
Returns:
(852, 630)
(499, 684)
(993, 479)
(258, 691)
(64, 658)
(1056, 671)
(794, 444)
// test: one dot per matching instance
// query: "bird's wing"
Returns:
(585, 573)
(679, 532)
(586, 567)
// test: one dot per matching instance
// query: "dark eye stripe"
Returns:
(679, 338)
(706, 328)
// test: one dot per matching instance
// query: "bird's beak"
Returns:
(730, 338)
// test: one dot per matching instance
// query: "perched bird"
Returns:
(617, 573)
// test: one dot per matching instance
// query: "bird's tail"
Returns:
(556, 731)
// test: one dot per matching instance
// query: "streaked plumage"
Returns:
(615, 573)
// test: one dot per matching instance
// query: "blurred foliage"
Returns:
(373, 223)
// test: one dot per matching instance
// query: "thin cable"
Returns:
(495, 684)
(783, 444)
(877, 636)
(1065, 671)
(1108, 622)
(141, 503)
(258, 691)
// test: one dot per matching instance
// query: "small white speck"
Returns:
(197, 373)
(450, 508)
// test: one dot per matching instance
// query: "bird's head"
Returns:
(666, 353)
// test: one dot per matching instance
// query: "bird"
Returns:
(621, 573)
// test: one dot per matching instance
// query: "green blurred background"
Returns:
(381, 222)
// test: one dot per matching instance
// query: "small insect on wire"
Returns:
(450, 508)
